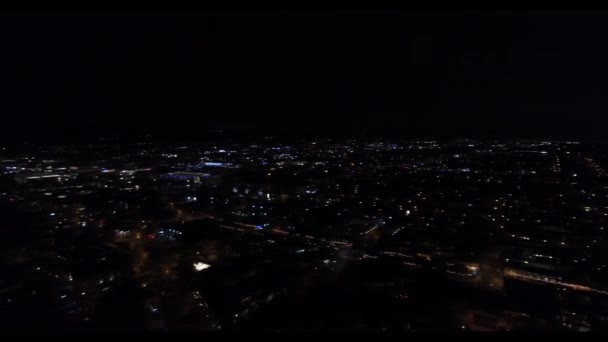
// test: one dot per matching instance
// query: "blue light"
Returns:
(258, 227)
(213, 164)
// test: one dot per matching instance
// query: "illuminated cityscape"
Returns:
(356, 170)
(369, 235)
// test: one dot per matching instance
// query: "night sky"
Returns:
(405, 74)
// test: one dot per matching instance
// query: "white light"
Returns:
(199, 266)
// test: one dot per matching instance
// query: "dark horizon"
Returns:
(407, 74)
(129, 134)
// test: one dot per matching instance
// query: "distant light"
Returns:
(268, 196)
(52, 214)
(199, 266)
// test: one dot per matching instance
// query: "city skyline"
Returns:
(280, 171)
